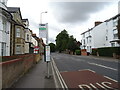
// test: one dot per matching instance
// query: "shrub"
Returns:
(108, 51)
(94, 51)
(78, 52)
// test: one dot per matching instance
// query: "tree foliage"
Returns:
(64, 41)
(52, 47)
(72, 44)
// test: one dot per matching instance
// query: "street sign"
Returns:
(89, 80)
(36, 48)
(47, 53)
(43, 30)
(42, 27)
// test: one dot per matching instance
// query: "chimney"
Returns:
(97, 23)
(34, 35)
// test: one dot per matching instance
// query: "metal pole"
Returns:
(41, 18)
(48, 71)
(48, 76)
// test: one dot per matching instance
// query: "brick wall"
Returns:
(13, 69)
(83, 52)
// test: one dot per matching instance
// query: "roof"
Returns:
(87, 31)
(8, 14)
(24, 20)
(13, 9)
(113, 17)
(103, 22)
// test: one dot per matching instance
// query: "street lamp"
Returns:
(46, 51)
(46, 25)
(41, 16)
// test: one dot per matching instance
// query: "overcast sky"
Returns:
(75, 17)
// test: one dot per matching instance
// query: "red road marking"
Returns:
(88, 79)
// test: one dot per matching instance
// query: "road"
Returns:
(71, 63)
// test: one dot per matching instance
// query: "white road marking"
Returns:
(95, 72)
(91, 70)
(62, 82)
(110, 78)
(87, 70)
(103, 66)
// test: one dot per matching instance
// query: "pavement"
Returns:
(36, 77)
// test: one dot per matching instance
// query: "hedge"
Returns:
(108, 51)
(94, 51)
(78, 52)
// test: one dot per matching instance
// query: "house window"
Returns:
(113, 44)
(4, 25)
(115, 34)
(18, 32)
(84, 47)
(18, 47)
(83, 35)
(87, 47)
(3, 49)
(90, 40)
(90, 49)
(87, 39)
(83, 41)
(106, 38)
(114, 22)
(27, 37)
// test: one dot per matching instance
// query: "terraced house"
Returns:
(17, 32)
(102, 35)
(28, 36)
(5, 22)
(40, 44)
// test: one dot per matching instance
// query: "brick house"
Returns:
(17, 34)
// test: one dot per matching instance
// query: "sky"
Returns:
(75, 16)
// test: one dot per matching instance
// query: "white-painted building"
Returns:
(5, 24)
(28, 37)
(35, 43)
(103, 35)
(119, 7)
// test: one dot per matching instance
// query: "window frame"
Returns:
(18, 50)
(17, 32)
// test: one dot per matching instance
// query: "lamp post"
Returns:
(46, 24)
(48, 75)
(41, 16)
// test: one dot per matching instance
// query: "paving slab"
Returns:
(35, 77)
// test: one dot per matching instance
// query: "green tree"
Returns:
(52, 47)
(62, 40)
(72, 44)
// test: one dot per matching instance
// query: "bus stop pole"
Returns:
(48, 71)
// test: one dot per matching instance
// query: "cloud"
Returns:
(51, 40)
(74, 12)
